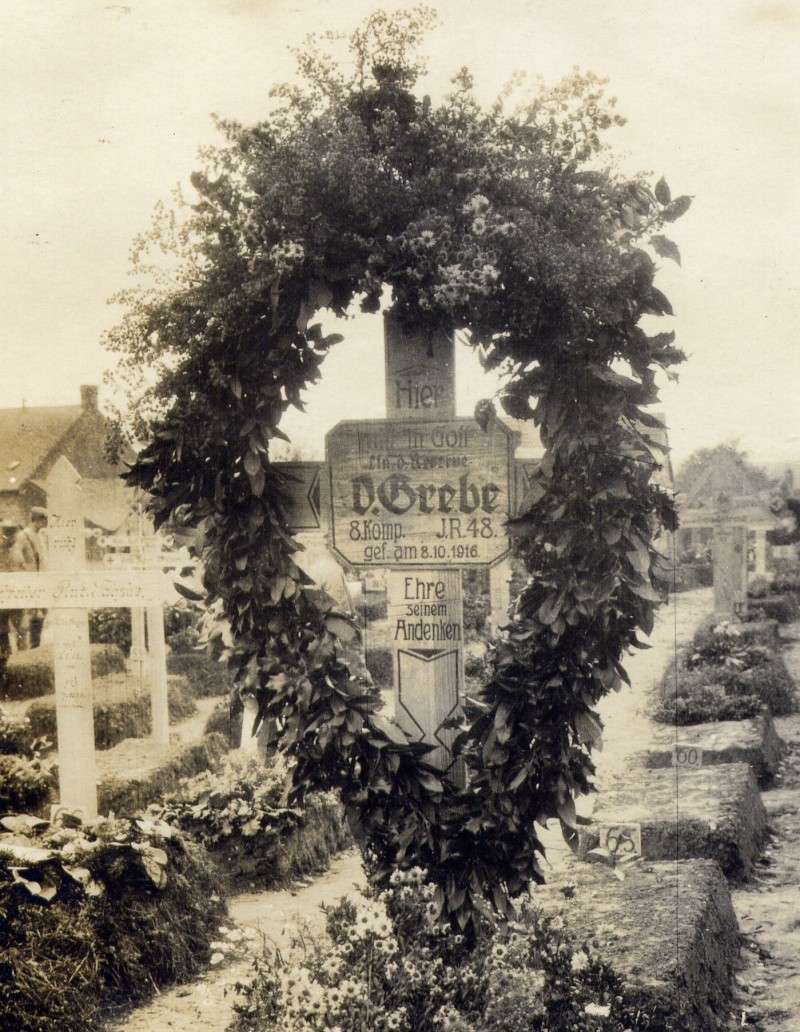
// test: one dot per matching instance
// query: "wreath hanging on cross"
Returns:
(510, 226)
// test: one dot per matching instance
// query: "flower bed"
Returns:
(16, 735)
(725, 674)
(390, 965)
(30, 673)
(240, 815)
(24, 783)
(97, 915)
(25, 777)
(120, 711)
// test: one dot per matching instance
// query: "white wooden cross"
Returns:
(68, 590)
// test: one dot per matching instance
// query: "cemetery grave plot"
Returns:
(768, 981)
(121, 710)
(668, 929)
(713, 813)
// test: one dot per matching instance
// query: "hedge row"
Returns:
(206, 676)
(29, 673)
(120, 711)
(783, 608)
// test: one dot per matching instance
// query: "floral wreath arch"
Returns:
(504, 226)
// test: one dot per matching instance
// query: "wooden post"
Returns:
(421, 494)
(71, 658)
(428, 675)
(249, 741)
(420, 373)
(157, 663)
(426, 628)
(730, 562)
(156, 658)
(138, 654)
(761, 552)
(499, 593)
(255, 744)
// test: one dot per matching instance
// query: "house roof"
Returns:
(26, 437)
(724, 471)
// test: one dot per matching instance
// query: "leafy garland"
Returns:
(505, 226)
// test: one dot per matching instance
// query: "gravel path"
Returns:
(627, 727)
(206, 1005)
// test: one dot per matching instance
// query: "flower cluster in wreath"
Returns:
(452, 260)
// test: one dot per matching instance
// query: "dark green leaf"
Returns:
(677, 208)
(666, 248)
(663, 194)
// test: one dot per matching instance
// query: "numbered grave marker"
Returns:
(622, 842)
(687, 756)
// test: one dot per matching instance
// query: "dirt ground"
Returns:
(206, 1005)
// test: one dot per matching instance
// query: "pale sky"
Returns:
(105, 104)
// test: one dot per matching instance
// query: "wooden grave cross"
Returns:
(421, 494)
(68, 591)
(729, 552)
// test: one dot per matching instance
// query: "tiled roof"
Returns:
(26, 437)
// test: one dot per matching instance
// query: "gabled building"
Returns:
(33, 437)
(724, 471)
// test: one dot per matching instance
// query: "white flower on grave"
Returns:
(579, 961)
(476, 204)
(597, 1010)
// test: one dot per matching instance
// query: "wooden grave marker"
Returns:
(68, 590)
(421, 494)
(422, 497)
(729, 551)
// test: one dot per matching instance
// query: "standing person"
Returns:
(15, 556)
(35, 536)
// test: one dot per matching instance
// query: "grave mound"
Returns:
(138, 772)
(728, 741)
(668, 930)
(29, 673)
(711, 813)
(121, 710)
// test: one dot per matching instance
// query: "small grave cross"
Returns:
(68, 590)
(730, 562)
